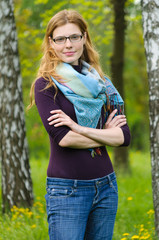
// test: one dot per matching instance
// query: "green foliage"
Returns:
(135, 215)
(50, 12)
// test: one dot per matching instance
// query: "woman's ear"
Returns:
(84, 37)
(51, 43)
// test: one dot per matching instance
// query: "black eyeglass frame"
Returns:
(69, 37)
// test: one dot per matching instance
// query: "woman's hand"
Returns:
(59, 118)
(115, 121)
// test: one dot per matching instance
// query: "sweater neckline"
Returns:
(78, 68)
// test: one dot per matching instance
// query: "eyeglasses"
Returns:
(73, 38)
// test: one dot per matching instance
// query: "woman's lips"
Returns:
(69, 53)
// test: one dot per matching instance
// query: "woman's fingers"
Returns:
(115, 121)
(111, 116)
(56, 111)
(55, 116)
(118, 119)
(122, 123)
(58, 118)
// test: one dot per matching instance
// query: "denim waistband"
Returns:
(75, 183)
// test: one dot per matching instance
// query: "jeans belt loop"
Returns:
(75, 184)
(109, 180)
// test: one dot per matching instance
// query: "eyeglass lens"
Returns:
(72, 38)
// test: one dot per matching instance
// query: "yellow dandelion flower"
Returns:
(14, 209)
(33, 226)
(150, 212)
(147, 235)
(141, 229)
(135, 237)
(123, 238)
(29, 214)
(38, 204)
(129, 198)
(126, 234)
(13, 218)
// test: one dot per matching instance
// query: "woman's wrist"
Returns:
(80, 129)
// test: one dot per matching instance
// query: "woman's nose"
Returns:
(68, 43)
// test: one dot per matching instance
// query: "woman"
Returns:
(80, 109)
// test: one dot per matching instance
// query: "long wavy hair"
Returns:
(50, 60)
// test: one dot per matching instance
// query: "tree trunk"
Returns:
(150, 15)
(16, 179)
(117, 65)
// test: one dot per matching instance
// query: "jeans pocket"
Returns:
(114, 185)
(59, 191)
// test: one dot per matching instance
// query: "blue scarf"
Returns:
(88, 93)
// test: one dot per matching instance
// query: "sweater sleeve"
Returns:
(127, 136)
(45, 102)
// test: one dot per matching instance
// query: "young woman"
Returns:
(81, 111)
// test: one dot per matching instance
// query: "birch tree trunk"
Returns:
(16, 180)
(117, 67)
(150, 15)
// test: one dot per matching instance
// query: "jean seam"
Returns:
(112, 185)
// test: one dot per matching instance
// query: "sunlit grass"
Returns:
(25, 224)
(135, 217)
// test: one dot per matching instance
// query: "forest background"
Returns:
(31, 20)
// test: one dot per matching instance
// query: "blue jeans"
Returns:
(81, 209)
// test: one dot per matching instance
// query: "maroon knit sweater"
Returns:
(67, 162)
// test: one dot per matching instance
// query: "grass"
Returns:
(135, 217)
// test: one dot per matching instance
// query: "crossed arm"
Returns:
(84, 137)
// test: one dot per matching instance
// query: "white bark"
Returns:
(150, 14)
(16, 180)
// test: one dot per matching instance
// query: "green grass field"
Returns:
(135, 217)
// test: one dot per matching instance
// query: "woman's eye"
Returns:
(74, 37)
(61, 39)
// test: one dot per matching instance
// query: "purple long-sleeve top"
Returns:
(67, 162)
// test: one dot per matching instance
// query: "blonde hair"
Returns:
(50, 60)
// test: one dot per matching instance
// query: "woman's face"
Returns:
(71, 50)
